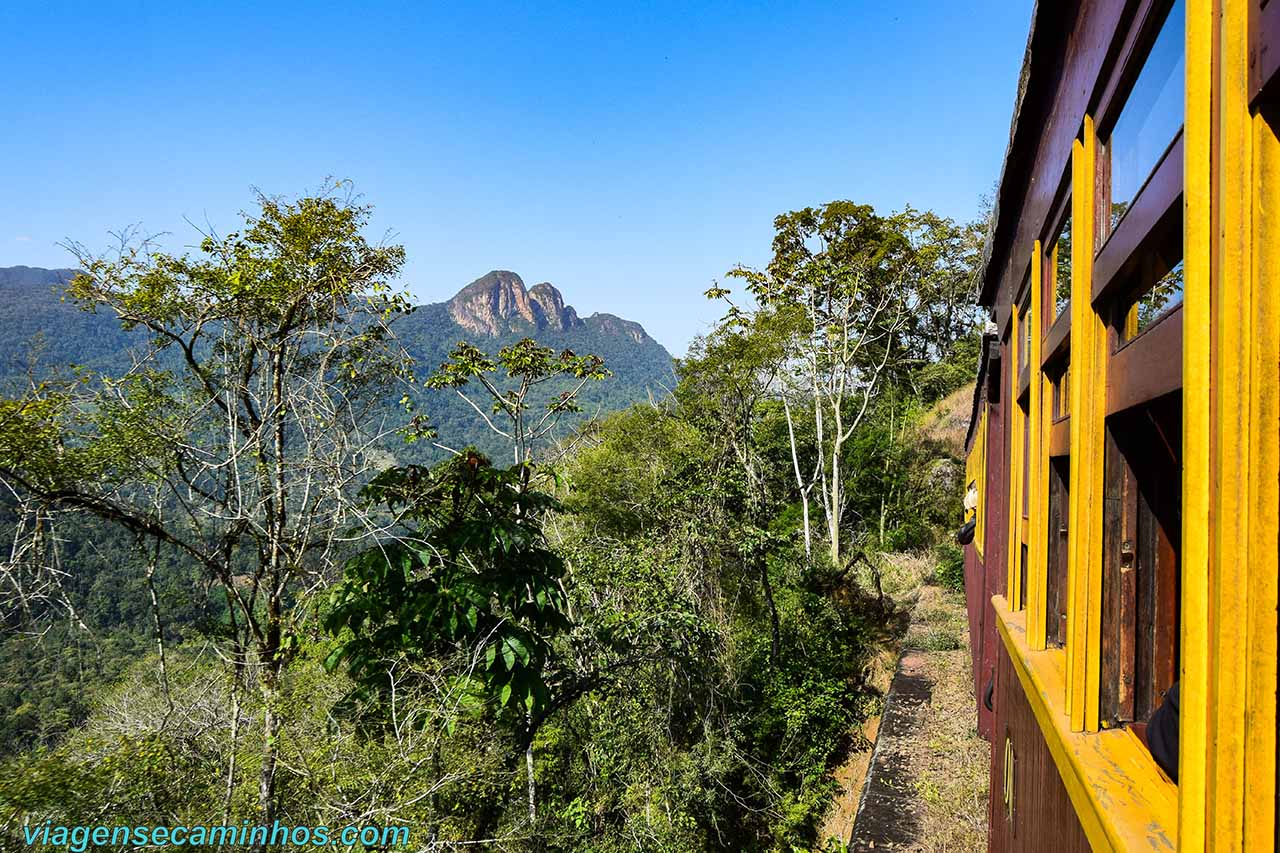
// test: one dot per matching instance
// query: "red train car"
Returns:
(1124, 451)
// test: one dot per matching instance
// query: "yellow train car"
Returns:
(1125, 443)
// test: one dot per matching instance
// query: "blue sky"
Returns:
(628, 153)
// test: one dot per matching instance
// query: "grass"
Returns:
(950, 766)
(938, 619)
(947, 423)
(949, 762)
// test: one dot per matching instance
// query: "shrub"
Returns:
(950, 571)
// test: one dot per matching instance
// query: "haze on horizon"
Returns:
(628, 156)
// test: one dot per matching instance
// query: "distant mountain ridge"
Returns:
(490, 312)
(21, 276)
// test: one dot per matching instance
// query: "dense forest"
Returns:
(235, 591)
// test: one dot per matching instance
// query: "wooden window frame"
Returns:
(1141, 548)
(1060, 381)
(1055, 484)
(1155, 205)
(1148, 19)
(1023, 512)
(1088, 354)
(1139, 574)
(1147, 367)
(1049, 277)
(1134, 46)
(1056, 557)
(1025, 331)
(1013, 471)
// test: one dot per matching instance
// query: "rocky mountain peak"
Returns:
(610, 324)
(493, 304)
(555, 313)
(498, 303)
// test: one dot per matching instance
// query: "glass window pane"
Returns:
(1152, 113)
(1025, 355)
(1160, 299)
(1157, 289)
(1026, 464)
(1062, 269)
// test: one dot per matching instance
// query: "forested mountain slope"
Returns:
(38, 326)
(36, 323)
(496, 310)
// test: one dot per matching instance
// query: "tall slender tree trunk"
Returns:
(883, 509)
(230, 791)
(800, 485)
(531, 780)
(271, 725)
(237, 684)
(157, 625)
(533, 783)
(277, 564)
(836, 500)
(888, 457)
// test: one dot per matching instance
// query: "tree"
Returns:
(473, 570)
(941, 285)
(839, 280)
(720, 735)
(723, 383)
(853, 303)
(243, 430)
(527, 366)
(471, 574)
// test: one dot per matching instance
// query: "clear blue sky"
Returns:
(629, 154)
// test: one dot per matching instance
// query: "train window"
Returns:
(1026, 335)
(1139, 184)
(1057, 265)
(1056, 558)
(1062, 394)
(1151, 284)
(1151, 116)
(1165, 295)
(1027, 465)
(1027, 468)
(1141, 541)
(1059, 478)
(1022, 576)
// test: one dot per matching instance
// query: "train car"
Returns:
(1124, 450)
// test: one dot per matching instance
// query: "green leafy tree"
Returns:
(470, 572)
(726, 740)
(940, 283)
(840, 272)
(241, 433)
(527, 366)
(854, 302)
(724, 381)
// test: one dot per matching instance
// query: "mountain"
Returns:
(497, 304)
(35, 323)
(491, 312)
(496, 310)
